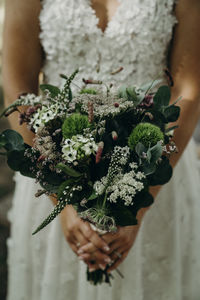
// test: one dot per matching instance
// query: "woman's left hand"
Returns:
(119, 243)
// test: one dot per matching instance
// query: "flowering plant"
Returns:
(99, 150)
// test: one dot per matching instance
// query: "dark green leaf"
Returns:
(52, 189)
(15, 159)
(124, 216)
(143, 199)
(162, 97)
(70, 94)
(53, 90)
(162, 174)
(172, 113)
(2, 140)
(171, 128)
(18, 162)
(62, 187)
(93, 196)
(67, 170)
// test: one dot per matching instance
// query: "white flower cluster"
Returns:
(100, 186)
(44, 115)
(78, 147)
(29, 99)
(124, 187)
(103, 106)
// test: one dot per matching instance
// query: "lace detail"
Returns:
(136, 39)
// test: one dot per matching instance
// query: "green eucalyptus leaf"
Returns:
(156, 152)
(53, 90)
(68, 170)
(150, 85)
(131, 94)
(14, 140)
(162, 97)
(148, 168)
(149, 156)
(140, 149)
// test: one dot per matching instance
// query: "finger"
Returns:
(93, 237)
(80, 238)
(117, 253)
(88, 248)
(118, 261)
(73, 247)
(98, 256)
(92, 264)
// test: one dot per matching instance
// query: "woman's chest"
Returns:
(137, 34)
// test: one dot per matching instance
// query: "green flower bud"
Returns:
(88, 91)
(75, 124)
(145, 133)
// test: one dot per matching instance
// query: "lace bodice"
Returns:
(136, 39)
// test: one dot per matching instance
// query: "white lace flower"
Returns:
(125, 187)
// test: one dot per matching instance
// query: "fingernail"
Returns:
(106, 248)
(91, 270)
(102, 267)
(107, 260)
(80, 257)
(80, 251)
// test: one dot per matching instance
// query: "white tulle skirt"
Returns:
(164, 263)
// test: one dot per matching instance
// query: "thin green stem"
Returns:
(104, 200)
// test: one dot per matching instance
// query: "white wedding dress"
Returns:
(164, 263)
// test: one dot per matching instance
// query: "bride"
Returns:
(159, 258)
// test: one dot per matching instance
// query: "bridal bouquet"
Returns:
(99, 150)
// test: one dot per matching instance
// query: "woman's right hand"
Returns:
(79, 233)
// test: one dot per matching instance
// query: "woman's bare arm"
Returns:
(22, 54)
(185, 70)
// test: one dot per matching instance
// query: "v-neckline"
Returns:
(103, 32)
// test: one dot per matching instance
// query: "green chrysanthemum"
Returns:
(145, 133)
(75, 124)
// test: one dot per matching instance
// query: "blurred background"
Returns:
(7, 184)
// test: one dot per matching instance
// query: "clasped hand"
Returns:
(97, 252)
